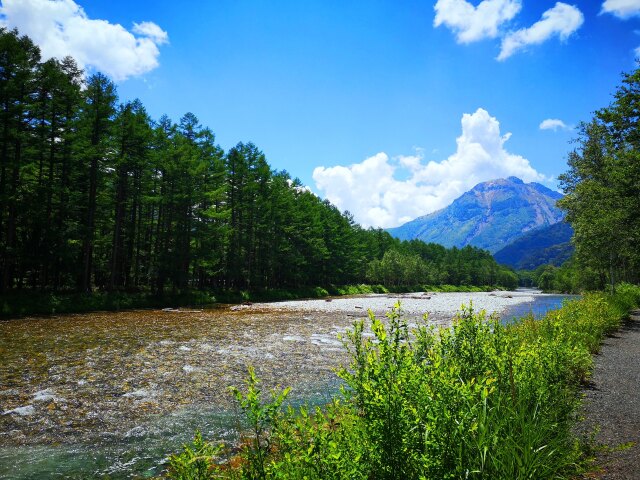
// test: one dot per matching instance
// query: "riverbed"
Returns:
(112, 393)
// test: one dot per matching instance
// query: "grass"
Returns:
(477, 400)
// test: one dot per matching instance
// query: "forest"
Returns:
(97, 196)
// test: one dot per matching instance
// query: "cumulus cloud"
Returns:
(151, 30)
(371, 192)
(61, 27)
(554, 124)
(621, 8)
(475, 23)
(561, 20)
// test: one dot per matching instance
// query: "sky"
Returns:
(388, 109)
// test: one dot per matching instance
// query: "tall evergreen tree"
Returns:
(19, 58)
(602, 187)
(94, 148)
(95, 195)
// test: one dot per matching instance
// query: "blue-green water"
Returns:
(139, 453)
(540, 305)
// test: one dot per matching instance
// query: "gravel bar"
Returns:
(436, 304)
(612, 403)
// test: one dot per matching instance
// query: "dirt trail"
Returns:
(612, 403)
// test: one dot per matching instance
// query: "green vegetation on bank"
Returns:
(566, 278)
(602, 199)
(478, 400)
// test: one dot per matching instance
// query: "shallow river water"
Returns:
(111, 394)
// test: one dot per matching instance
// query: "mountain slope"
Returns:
(490, 215)
(541, 246)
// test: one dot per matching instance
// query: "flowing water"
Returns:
(538, 306)
(112, 394)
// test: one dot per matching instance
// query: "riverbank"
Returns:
(114, 392)
(24, 303)
(612, 403)
(478, 400)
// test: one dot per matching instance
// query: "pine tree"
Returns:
(95, 151)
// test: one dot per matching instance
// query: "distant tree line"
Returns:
(569, 277)
(415, 262)
(602, 190)
(95, 194)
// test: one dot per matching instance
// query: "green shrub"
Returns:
(261, 418)
(195, 462)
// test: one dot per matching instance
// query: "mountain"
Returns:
(544, 245)
(491, 215)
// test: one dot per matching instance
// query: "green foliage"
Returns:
(570, 277)
(467, 402)
(414, 262)
(477, 400)
(602, 188)
(197, 461)
(323, 444)
(261, 418)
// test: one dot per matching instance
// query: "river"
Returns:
(112, 393)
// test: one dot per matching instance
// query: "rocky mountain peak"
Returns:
(490, 215)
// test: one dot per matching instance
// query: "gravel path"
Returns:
(612, 403)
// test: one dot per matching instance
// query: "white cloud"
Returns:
(61, 27)
(621, 8)
(475, 23)
(298, 188)
(151, 30)
(554, 124)
(561, 20)
(370, 191)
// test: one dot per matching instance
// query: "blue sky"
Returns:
(364, 101)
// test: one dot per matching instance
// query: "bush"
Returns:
(195, 462)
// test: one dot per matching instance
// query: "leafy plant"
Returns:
(261, 417)
(196, 461)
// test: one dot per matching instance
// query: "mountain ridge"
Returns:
(544, 245)
(491, 215)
